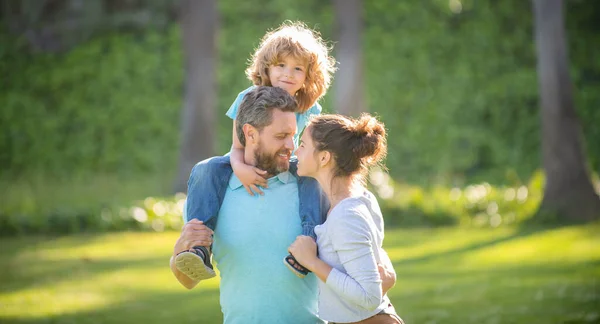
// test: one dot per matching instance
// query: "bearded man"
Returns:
(252, 233)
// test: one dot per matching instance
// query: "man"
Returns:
(253, 232)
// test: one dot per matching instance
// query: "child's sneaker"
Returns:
(298, 269)
(195, 263)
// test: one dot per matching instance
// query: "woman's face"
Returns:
(307, 159)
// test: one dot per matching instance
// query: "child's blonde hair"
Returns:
(298, 41)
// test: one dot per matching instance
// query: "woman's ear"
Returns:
(324, 158)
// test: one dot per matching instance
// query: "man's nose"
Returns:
(289, 144)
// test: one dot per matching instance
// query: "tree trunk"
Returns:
(199, 34)
(568, 194)
(348, 85)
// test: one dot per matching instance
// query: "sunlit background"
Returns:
(94, 151)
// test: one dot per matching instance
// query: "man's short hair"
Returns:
(257, 107)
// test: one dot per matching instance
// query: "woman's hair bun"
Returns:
(371, 140)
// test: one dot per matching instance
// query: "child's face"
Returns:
(307, 162)
(288, 74)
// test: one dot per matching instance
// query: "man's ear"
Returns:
(250, 133)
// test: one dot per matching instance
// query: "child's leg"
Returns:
(313, 205)
(313, 211)
(206, 190)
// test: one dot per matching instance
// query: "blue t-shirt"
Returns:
(301, 118)
(250, 240)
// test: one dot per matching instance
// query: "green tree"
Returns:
(60, 25)
(349, 86)
(199, 35)
(568, 193)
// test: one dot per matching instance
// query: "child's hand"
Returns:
(251, 177)
(304, 249)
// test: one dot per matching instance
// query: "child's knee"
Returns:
(209, 170)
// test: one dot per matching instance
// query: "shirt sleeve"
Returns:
(316, 109)
(351, 239)
(233, 110)
(305, 117)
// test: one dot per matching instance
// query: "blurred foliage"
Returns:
(455, 84)
(109, 105)
(463, 106)
(100, 202)
(478, 205)
(153, 214)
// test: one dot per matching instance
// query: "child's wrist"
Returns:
(235, 165)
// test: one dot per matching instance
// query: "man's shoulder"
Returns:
(216, 165)
(215, 161)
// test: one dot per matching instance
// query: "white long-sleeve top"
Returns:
(350, 241)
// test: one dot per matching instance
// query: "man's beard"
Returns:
(271, 163)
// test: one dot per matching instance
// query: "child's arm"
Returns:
(250, 176)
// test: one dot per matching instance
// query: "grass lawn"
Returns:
(451, 275)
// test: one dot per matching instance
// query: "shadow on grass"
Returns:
(19, 276)
(15, 245)
(509, 272)
(520, 233)
(519, 294)
(196, 306)
(440, 292)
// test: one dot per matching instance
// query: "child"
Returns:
(296, 59)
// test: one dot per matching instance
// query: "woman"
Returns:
(337, 151)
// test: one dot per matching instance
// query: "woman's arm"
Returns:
(386, 272)
(304, 250)
(351, 237)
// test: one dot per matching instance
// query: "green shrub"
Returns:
(100, 202)
(480, 205)
(110, 105)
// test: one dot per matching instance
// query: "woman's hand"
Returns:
(388, 276)
(251, 177)
(304, 249)
(194, 233)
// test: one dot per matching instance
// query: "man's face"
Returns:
(276, 144)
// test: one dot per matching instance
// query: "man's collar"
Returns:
(283, 177)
